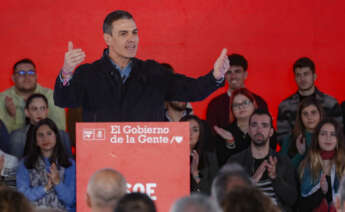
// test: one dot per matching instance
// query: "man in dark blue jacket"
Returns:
(120, 87)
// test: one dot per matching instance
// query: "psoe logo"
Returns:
(100, 134)
(94, 134)
(176, 139)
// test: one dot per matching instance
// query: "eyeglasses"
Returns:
(26, 73)
(245, 103)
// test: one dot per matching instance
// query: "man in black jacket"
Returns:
(120, 87)
(273, 173)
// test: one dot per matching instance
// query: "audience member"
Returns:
(73, 115)
(296, 144)
(13, 201)
(104, 190)
(229, 177)
(305, 77)
(234, 138)
(135, 202)
(47, 175)
(203, 163)
(218, 110)
(272, 172)
(175, 110)
(195, 203)
(323, 167)
(8, 168)
(36, 109)
(48, 210)
(13, 99)
(123, 87)
(8, 163)
(4, 138)
(248, 199)
(340, 198)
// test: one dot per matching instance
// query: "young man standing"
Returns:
(305, 77)
(218, 110)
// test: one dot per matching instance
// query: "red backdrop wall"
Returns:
(189, 35)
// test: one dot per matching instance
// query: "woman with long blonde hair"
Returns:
(323, 167)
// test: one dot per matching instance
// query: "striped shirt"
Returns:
(265, 183)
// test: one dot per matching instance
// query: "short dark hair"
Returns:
(261, 112)
(35, 96)
(135, 201)
(238, 60)
(304, 62)
(225, 176)
(114, 16)
(25, 60)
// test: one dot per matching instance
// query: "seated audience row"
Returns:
(12, 100)
(305, 175)
(219, 109)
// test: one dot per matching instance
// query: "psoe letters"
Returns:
(148, 188)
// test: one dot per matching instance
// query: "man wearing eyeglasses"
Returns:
(12, 100)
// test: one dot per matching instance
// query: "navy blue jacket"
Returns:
(98, 89)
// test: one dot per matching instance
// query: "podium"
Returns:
(152, 156)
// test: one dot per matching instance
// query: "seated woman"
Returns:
(8, 163)
(322, 168)
(204, 164)
(46, 176)
(234, 138)
(309, 114)
(36, 109)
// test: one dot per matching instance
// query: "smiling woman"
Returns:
(47, 176)
(323, 167)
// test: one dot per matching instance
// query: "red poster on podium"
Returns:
(152, 156)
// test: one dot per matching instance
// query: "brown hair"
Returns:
(248, 199)
(299, 126)
(13, 201)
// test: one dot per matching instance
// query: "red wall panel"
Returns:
(189, 35)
